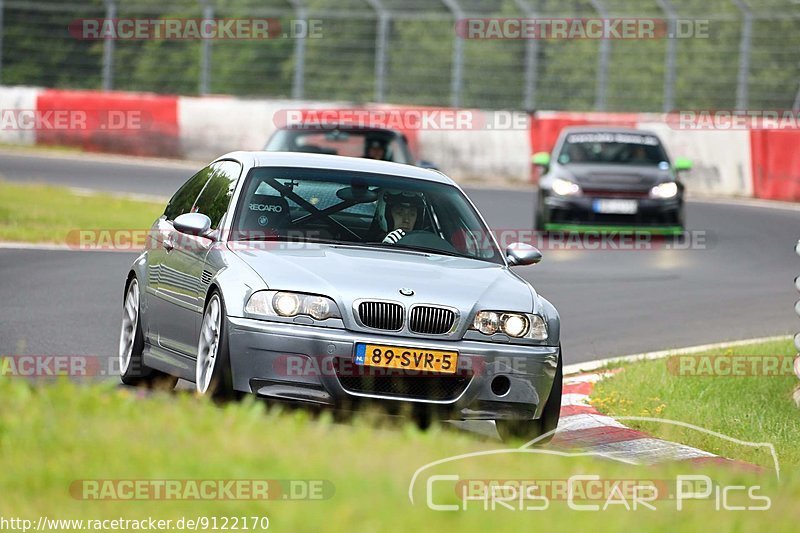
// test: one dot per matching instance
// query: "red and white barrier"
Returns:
(747, 163)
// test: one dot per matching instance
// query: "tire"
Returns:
(213, 377)
(511, 430)
(132, 370)
(539, 221)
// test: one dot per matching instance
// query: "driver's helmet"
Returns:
(391, 198)
(375, 143)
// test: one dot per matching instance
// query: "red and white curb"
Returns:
(583, 427)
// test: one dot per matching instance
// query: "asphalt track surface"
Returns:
(737, 283)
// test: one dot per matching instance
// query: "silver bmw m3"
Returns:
(338, 281)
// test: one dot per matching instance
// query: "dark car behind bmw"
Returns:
(603, 176)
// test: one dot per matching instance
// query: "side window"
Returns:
(183, 200)
(216, 195)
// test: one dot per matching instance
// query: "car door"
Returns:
(162, 281)
(183, 285)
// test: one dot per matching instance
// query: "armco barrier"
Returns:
(128, 123)
(776, 164)
(764, 164)
(14, 100)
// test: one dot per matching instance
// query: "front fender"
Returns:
(551, 316)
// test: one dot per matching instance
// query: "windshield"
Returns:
(376, 144)
(614, 148)
(356, 208)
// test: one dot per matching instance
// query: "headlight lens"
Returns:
(290, 304)
(517, 325)
(664, 190)
(286, 303)
(564, 187)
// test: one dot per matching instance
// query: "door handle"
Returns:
(168, 246)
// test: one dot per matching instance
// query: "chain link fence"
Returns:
(714, 54)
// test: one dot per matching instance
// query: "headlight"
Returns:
(515, 325)
(289, 304)
(664, 190)
(564, 187)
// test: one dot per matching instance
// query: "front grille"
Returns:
(382, 315)
(420, 387)
(610, 193)
(431, 320)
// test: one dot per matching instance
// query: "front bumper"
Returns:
(580, 210)
(314, 364)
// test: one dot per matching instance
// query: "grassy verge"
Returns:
(43, 213)
(54, 435)
(755, 408)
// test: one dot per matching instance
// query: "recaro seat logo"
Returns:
(266, 207)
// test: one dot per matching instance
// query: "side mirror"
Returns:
(427, 164)
(521, 254)
(196, 224)
(682, 163)
(541, 159)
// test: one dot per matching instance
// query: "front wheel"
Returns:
(510, 430)
(132, 370)
(539, 220)
(213, 370)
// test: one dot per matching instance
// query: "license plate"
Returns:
(616, 207)
(406, 358)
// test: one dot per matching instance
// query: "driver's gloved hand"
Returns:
(394, 236)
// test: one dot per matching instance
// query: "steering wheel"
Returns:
(426, 239)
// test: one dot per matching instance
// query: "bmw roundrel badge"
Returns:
(263, 221)
(406, 292)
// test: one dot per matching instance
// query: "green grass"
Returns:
(52, 435)
(751, 408)
(48, 214)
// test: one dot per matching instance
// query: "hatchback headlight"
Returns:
(664, 190)
(290, 304)
(517, 325)
(564, 187)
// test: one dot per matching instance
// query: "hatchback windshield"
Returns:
(333, 206)
(615, 148)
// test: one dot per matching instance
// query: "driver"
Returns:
(402, 211)
(375, 150)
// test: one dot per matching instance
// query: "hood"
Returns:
(616, 177)
(349, 273)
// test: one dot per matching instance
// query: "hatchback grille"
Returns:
(382, 315)
(431, 320)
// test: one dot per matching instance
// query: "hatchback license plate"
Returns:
(616, 207)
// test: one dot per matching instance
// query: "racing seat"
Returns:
(266, 215)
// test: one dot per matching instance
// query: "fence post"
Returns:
(531, 60)
(380, 49)
(204, 84)
(669, 61)
(108, 49)
(602, 62)
(744, 55)
(1, 40)
(457, 74)
(298, 82)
